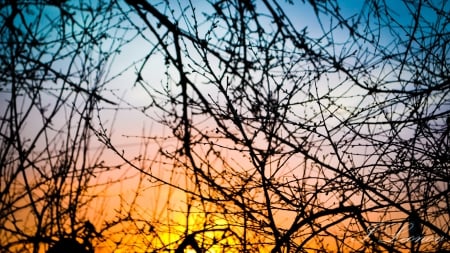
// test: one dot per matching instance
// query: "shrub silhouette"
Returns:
(69, 245)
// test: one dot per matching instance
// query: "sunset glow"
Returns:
(224, 126)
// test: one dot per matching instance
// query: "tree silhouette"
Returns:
(68, 246)
(52, 60)
(285, 126)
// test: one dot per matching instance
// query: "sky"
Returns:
(133, 118)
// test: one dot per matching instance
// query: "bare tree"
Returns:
(332, 139)
(54, 57)
(276, 131)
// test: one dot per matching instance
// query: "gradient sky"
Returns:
(132, 119)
